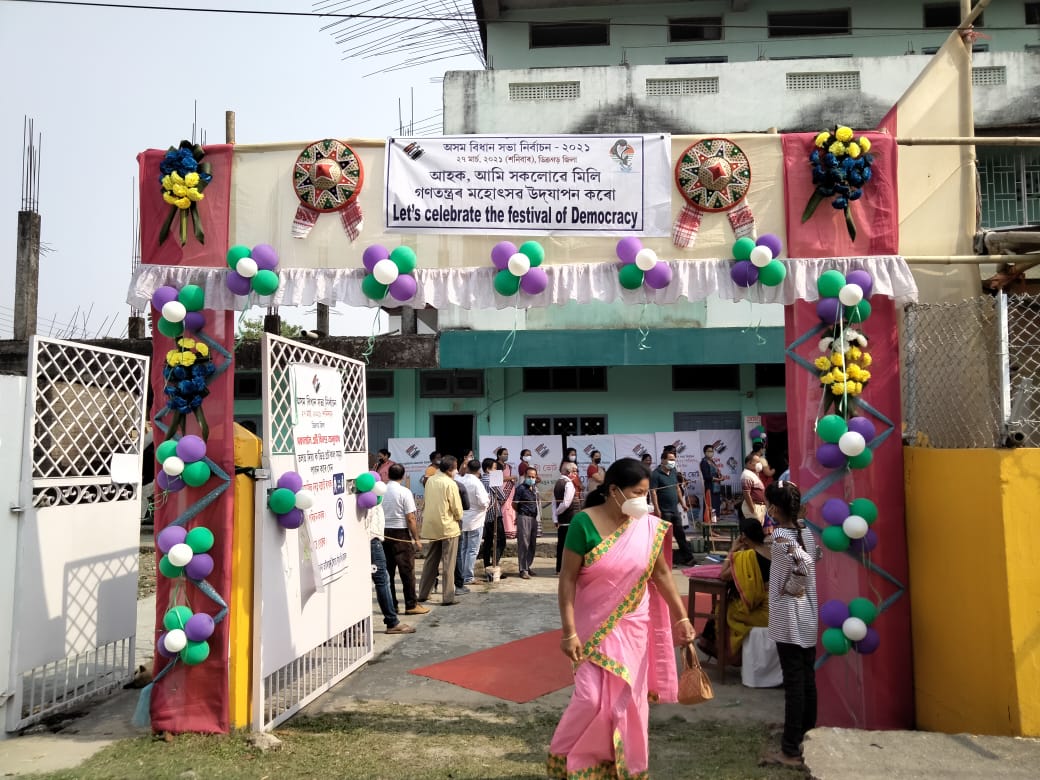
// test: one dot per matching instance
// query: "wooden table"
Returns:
(719, 592)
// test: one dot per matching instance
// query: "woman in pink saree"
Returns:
(622, 617)
(508, 485)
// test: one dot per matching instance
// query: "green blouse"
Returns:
(582, 535)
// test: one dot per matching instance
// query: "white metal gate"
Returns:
(305, 642)
(78, 534)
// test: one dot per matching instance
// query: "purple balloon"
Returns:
(290, 480)
(863, 427)
(833, 613)
(863, 279)
(162, 296)
(160, 646)
(501, 252)
(658, 277)
(375, 476)
(367, 500)
(199, 567)
(771, 240)
(194, 321)
(170, 535)
(165, 482)
(628, 248)
(743, 273)
(869, 643)
(404, 287)
(265, 257)
(238, 284)
(199, 627)
(830, 456)
(834, 512)
(870, 540)
(534, 281)
(827, 310)
(373, 255)
(191, 448)
(291, 520)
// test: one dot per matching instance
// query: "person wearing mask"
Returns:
(668, 503)
(435, 462)
(595, 474)
(526, 504)
(619, 610)
(754, 503)
(647, 460)
(401, 539)
(765, 473)
(383, 464)
(509, 480)
(565, 505)
(713, 479)
(571, 457)
(442, 514)
(472, 525)
(494, 541)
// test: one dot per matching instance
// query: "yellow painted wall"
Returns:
(974, 591)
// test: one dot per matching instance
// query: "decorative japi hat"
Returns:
(713, 175)
(328, 176)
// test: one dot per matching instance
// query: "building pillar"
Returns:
(27, 275)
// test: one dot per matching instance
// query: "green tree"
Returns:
(250, 329)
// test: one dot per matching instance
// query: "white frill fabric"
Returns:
(473, 288)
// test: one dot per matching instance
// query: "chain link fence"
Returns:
(971, 374)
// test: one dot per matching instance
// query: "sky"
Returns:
(103, 84)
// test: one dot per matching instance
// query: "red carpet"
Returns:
(519, 671)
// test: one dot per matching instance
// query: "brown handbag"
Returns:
(694, 685)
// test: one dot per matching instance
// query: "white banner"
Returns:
(586, 445)
(513, 444)
(576, 184)
(414, 454)
(634, 445)
(729, 457)
(318, 447)
(546, 454)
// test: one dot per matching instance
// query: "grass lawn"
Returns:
(412, 742)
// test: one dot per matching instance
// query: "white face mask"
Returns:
(669, 464)
(526, 459)
(572, 458)
(635, 507)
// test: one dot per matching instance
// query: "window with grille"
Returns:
(590, 33)
(565, 379)
(847, 81)
(566, 425)
(706, 85)
(797, 24)
(706, 377)
(714, 60)
(989, 76)
(945, 16)
(1009, 182)
(550, 90)
(1032, 14)
(455, 384)
(699, 28)
(379, 384)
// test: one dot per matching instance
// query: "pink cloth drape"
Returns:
(629, 656)
(508, 513)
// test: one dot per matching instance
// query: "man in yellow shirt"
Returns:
(442, 515)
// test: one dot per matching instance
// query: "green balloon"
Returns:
(282, 501)
(196, 474)
(265, 282)
(165, 450)
(177, 617)
(404, 258)
(506, 284)
(236, 253)
(167, 569)
(865, 508)
(742, 248)
(199, 539)
(859, 312)
(192, 296)
(862, 460)
(834, 538)
(171, 329)
(534, 251)
(195, 653)
(834, 642)
(364, 482)
(372, 288)
(773, 274)
(830, 283)
(831, 428)
(630, 276)
(863, 609)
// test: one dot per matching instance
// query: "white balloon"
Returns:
(175, 640)
(180, 554)
(385, 271)
(519, 264)
(850, 294)
(646, 259)
(854, 629)
(304, 499)
(761, 256)
(173, 466)
(174, 311)
(852, 443)
(379, 489)
(855, 527)
(246, 267)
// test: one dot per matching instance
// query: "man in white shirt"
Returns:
(401, 539)
(375, 524)
(472, 525)
(564, 507)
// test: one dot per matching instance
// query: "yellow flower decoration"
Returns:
(864, 144)
(169, 198)
(864, 376)
(167, 182)
(844, 134)
(186, 343)
(177, 178)
(866, 360)
(202, 349)
(174, 359)
(826, 379)
(192, 179)
(838, 359)
(837, 148)
(182, 203)
(855, 354)
(838, 388)
(180, 190)
(194, 195)
(853, 149)
(822, 363)
(821, 139)
(187, 359)
(838, 374)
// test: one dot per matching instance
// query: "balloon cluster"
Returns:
(844, 296)
(370, 488)
(640, 265)
(848, 525)
(289, 500)
(180, 310)
(845, 443)
(848, 626)
(183, 463)
(518, 268)
(389, 272)
(757, 434)
(756, 261)
(253, 270)
(186, 634)
(185, 552)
